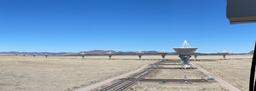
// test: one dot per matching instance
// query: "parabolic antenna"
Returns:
(140, 53)
(185, 52)
(163, 54)
(83, 54)
(224, 53)
(110, 54)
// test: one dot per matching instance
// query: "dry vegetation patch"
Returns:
(58, 73)
(235, 70)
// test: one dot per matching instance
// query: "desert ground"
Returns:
(235, 70)
(59, 73)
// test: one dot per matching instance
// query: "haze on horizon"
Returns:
(121, 25)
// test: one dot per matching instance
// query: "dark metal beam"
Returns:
(251, 86)
(241, 11)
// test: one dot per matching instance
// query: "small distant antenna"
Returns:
(140, 53)
(110, 54)
(46, 55)
(83, 54)
(34, 55)
(195, 55)
(224, 54)
(163, 54)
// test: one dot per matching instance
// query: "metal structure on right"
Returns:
(185, 53)
(243, 11)
(240, 11)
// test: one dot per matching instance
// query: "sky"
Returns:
(122, 25)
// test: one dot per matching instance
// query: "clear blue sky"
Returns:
(125, 25)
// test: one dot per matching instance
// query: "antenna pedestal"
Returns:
(185, 55)
(185, 59)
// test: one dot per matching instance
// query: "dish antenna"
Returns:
(83, 54)
(110, 54)
(34, 55)
(224, 54)
(46, 55)
(163, 54)
(195, 55)
(185, 53)
(140, 53)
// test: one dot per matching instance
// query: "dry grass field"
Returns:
(58, 73)
(235, 70)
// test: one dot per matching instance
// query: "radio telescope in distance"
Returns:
(163, 54)
(46, 55)
(83, 54)
(185, 53)
(34, 55)
(110, 54)
(196, 55)
(140, 53)
(224, 54)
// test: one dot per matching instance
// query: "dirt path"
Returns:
(222, 82)
(99, 84)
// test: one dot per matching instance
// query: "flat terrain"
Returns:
(18, 73)
(59, 73)
(235, 70)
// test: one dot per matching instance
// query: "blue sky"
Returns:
(125, 25)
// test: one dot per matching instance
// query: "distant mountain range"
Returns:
(100, 52)
(32, 53)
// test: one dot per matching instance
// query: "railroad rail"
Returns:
(124, 84)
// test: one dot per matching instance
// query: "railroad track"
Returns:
(124, 84)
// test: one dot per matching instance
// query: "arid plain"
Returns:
(63, 73)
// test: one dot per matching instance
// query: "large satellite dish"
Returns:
(185, 53)
(185, 49)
